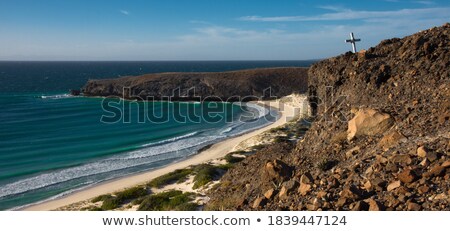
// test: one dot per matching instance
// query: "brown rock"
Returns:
(375, 205)
(259, 202)
(270, 194)
(425, 163)
(422, 152)
(443, 117)
(393, 185)
(423, 189)
(333, 182)
(401, 159)
(367, 185)
(287, 188)
(276, 170)
(350, 153)
(306, 178)
(321, 195)
(304, 189)
(391, 139)
(413, 206)
(435, 171)
(360, 206)
(352, 193)
(341, 202)
(446, 164)
(368, 122)
(407, 176)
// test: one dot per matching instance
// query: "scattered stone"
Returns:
(368, 122)
(375, 205)
(287, 188)
(413, 206)
(321, 195)
(270, 194)
(402, 159)
(446, 164)
(350, 153)
(407, 176)
(306, 178)
(304, 189)
(435, 171)
(441, 196)
(367, 185)
(393, 185)
(425, 163)
(259, 202)
(391, 139)
(276, 170)
(360, 206)
(422, 152)
(423, 189)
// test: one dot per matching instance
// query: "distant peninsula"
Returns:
(232, 86)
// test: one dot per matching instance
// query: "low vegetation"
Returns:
(169, 201)
(231, 159)
(178, 176)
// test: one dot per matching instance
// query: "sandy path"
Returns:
(216, 151)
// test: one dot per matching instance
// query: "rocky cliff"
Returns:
(380, 139)
(208, 86)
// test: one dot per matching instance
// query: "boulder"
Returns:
(391, 139)
(276, 170)
(368, 122)
(407, 176)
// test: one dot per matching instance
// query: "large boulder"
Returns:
(368, 122)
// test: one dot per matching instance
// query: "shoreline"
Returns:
(216, 151)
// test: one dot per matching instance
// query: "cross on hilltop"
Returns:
(353, 41)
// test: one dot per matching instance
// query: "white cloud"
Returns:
(355, 15)
(425, 2)
(124, 12)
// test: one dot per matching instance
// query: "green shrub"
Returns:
(187, 207)
(111, 203)
(205, 174)
(95, 208)
(281, 139)
(171, 200)
(232, 159)
(179, 175)
(131, 193)
(101, 198)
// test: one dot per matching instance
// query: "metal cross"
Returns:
(353, 41)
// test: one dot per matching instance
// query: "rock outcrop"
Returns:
(222, 86)
(380, 139)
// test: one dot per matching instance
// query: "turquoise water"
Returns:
(52, 144)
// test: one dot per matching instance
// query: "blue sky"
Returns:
(204, 29)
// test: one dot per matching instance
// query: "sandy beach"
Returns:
(218, 150)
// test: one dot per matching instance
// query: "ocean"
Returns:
(52, 144)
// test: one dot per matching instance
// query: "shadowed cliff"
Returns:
(227, 86)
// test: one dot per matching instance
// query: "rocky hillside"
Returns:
(380, 139)
(224, 85)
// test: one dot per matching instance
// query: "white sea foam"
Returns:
(170, 140)
(61, 96)
(132, 159)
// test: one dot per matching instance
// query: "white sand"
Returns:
(214, 152)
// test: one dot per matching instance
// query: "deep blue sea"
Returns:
(52, 144)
